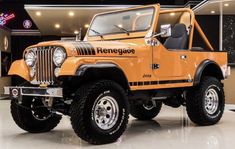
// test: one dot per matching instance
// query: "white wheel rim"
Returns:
(105, 112)
(211, 101)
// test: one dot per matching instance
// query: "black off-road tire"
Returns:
(140, 112)
(23, 117)
(82, 119)
(195, 102)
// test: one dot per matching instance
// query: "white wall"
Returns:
(229, 87)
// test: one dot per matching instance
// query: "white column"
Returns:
(221, 27)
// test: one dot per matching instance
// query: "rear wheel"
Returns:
(100, 112)
(145, 111)
(33, 116)
(205, 103)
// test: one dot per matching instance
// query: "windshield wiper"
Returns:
(122, 29)
(97, 33)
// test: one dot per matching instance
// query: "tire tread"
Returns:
(194, 101)
(77, 112)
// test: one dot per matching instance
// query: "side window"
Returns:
(181, 24)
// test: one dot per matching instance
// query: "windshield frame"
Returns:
(119, 11)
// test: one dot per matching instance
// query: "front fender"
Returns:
(19, 68)
(70, 66)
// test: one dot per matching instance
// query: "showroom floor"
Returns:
(170, 130)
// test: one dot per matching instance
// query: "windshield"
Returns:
(122, 22)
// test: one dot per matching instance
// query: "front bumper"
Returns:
(17, 92)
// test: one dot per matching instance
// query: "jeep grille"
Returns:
(44, 65)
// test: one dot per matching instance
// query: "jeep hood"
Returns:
(104, 48)
(94, 48)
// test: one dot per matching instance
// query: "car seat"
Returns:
(178, 39)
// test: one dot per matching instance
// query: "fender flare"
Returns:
(203, 65)
(107, 67)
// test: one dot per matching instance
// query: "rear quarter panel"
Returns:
(196, 58)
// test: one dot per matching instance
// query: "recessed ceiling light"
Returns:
(226, 4)
(38, 13)
(57, 25)
(212, 12)
(71, 14)
(172, 14)
(120, 25)
(76, 32)
(138, 13)
(86, 25)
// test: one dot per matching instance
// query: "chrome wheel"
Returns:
(105, 112)
(211, 101)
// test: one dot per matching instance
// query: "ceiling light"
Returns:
(212, 12)
(138, 13)
(76, 32)
(86, 25)
(38, 13)
(120, 25)
(57, 25)
(226, 4)
(71, 14)
(172, 14)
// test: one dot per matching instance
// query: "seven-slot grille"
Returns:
(44, 65)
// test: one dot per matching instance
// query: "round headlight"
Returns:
(30, 58)
(59, 56)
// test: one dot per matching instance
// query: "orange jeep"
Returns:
(131, 61)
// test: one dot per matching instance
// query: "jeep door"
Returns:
(170, 54)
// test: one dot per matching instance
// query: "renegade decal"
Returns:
(119, 51)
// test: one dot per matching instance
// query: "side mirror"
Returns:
(166, 30)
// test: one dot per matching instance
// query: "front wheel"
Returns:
(33, 116)
(205, 103)
(100, 112)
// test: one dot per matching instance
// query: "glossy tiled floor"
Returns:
(170, 130)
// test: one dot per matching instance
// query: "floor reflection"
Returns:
(171, 129)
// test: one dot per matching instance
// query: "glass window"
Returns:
(174, 18)
(121, 22)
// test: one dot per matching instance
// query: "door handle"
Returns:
(183, 56)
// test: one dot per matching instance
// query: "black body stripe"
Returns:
(79, 49)
(82, 49)
(85, 48)
(88, 49)
(92, 49)
(158, 82)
